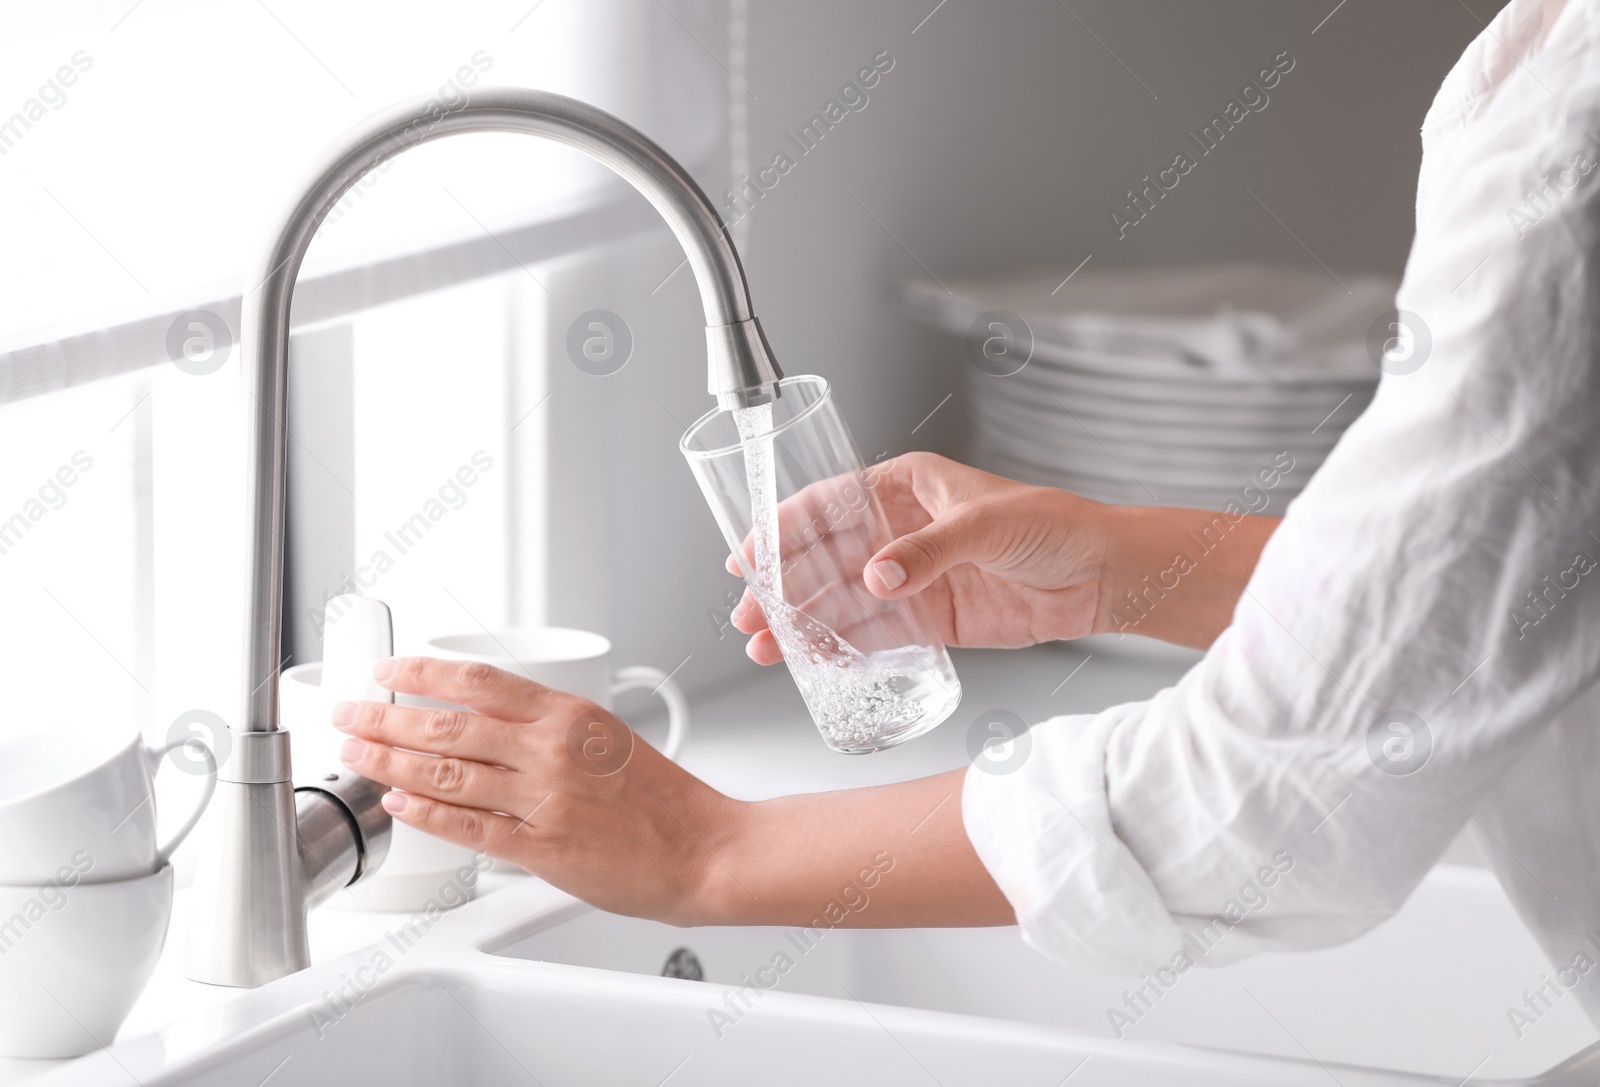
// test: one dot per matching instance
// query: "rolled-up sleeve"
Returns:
(1085, 898)
(1429, 604)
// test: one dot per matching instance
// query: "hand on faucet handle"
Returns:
(542, 778)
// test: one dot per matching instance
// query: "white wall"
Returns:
(1005, 133)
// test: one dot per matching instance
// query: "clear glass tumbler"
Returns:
(801, 513)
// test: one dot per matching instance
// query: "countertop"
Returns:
(755, 740)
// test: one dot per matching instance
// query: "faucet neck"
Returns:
(743, 371)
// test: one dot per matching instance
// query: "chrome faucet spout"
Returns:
(742, 369)
(264, 871)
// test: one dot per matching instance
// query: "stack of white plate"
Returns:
(1174, 386)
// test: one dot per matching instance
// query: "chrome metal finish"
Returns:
(743, 371)
(257, 758)
(743, 367)
(273, 852)
(249, 921)
(268, 863)
(685, 964)
(361, 798)
(329, 855)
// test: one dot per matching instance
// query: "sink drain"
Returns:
(683, 963)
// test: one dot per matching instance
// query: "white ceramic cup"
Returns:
(575, 661)
(308, 715)
(56, 801)
(74, 957)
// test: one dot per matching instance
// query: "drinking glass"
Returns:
(801, 514)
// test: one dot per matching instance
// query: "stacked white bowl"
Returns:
(1173, 386)
(85, 884)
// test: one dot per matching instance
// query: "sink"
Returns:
(526, 985)
(1426, 993)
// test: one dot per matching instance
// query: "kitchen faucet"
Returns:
(273, 851)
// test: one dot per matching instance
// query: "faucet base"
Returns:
(270, 853)
(249, 923)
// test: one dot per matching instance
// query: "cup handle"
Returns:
(658, 682)
(157, 757)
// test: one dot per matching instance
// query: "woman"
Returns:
(1410, 649)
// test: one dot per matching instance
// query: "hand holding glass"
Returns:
(799, 512)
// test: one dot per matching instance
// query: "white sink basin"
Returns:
(527, 986)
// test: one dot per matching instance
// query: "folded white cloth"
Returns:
(1419, 644)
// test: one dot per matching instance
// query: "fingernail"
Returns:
(891, 573)
(394, 803)
(383, 669)
(344, 715)
(352, 750)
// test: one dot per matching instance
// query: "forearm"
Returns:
(890, 856)
(1176, 574)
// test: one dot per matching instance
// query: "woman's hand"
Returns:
(547, 780)
(999, 563)
(560, 786)
(1004, 564)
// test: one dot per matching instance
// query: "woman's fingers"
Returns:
(827, 533)
(763, 648)
(482, 687)
(948, 514)
(862, 633)
(809, 569)
(834, 508)
(833, 602)
(435, 731)
(747, 617)
(484, 831)
(911, 563)
(463, 782)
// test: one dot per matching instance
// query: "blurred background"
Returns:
(997, 154)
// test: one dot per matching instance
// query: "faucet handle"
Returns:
(344, 832)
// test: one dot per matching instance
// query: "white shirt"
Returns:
(1429, 603)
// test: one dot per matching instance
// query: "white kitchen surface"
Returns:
(751, 740)
(756, 740)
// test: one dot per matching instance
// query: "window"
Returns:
(146, 149)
